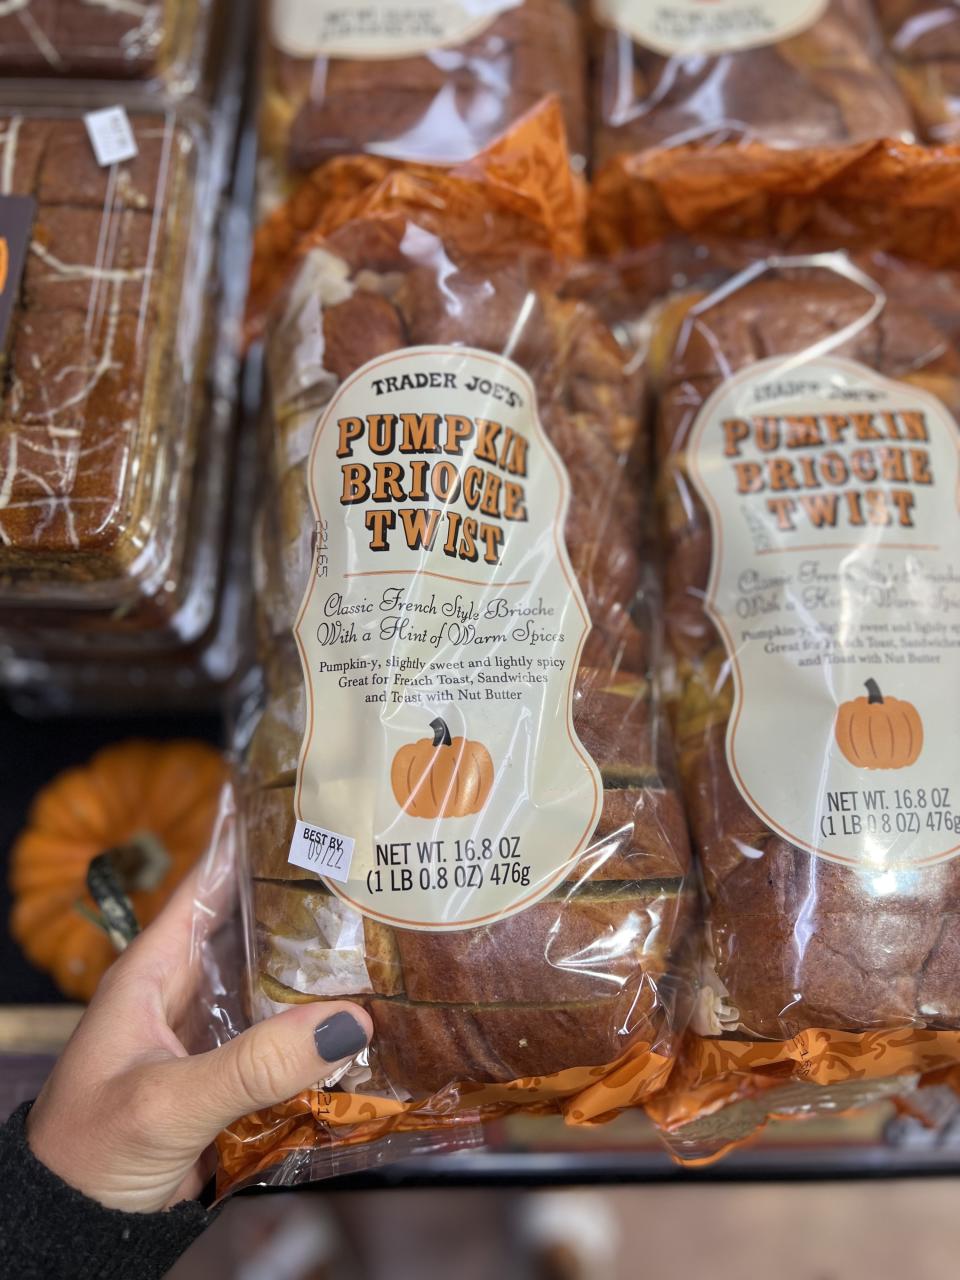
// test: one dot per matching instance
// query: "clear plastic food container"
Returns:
(161, 41)
(105, 359)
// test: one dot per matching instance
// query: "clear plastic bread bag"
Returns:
(923, 44)
(808, 470)
(458, 804)
(433, 82)
(786, 73)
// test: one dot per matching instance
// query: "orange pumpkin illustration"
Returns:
(442, 777)
(877, 732)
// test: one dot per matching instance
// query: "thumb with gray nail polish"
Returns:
(273, 1061)
(340, 1036)
(127, 1113)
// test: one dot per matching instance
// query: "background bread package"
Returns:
(814, 974)
(509, 1014)
(826, 86)
(442, 106)
(885, 195)
(923, 41)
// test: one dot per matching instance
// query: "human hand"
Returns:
(127, 1113)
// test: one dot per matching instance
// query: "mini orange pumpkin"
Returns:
(877, 732)
(442, 777)
(154, 803)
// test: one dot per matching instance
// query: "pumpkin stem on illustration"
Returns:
(442, 776)
(878, 732)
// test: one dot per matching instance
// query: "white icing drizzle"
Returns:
(63, 446)
(21, 8)
(86, 271)
(129, 8)
(139, 40)
(10, 138)
(146, 35)
(6, 486)
(56, 437)
(45, 48)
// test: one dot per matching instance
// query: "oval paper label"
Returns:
(709, 26)
(440, 774)
(835, 584)
(377, 29)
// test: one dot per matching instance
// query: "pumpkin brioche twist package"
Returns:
(923, 39)
(788, 73)
(459, 806)
(809, 466)
(427, 82)
(817, 141)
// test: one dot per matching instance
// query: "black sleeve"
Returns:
(49, 1231)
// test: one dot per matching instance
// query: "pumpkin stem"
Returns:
(140, 865)
(873, 689)
(441, 734)
(116, 909)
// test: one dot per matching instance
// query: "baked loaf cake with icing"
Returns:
(89, 435)
(112, 39)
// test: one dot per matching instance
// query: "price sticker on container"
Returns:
(111, 135)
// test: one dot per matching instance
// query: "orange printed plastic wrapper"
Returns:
(514, 193)
(722, 1091)
(460, 805)
(886, 195)
(325, 1120)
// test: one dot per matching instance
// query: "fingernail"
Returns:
(339, 1037)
